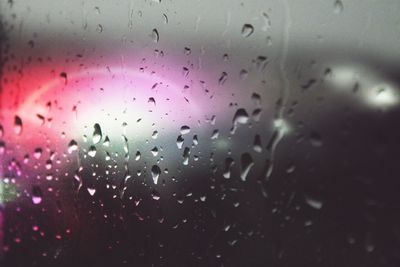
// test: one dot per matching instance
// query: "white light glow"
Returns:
(282, 125)
(382, 95)
(343, 76)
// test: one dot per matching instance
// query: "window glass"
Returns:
(199, 133)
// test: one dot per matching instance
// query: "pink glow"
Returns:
(108, 97)
(1, 233)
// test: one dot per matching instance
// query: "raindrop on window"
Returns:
(17, 125)
(338, 6)
(97, 135)
(72, 146)
(246, 164)
(92, 151)
(155, 36)
(247, 30)
(155, 173)
(37, 195)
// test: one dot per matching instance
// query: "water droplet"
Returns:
(2, 147)
(369, 245)
(137, 156)
(65, 77)
(154, 151)
(37, 153)
(186, 154)
(315, 139)
(187, 51)
(338, 6)
(257, 143)
(308, 223)
(155, 173)
(106, 141)
(72, 146)
(268, 167)
(267, 22)
(17, 125)
(49, 164)
(275, 136)
(155, 36)
(126, 146)
(155, 195)
(37, 195)
(247, 30)
(215, 134)
(195, 140)
(291, 168)
(269, 40)
(246, 163)
(185, 129)
(97, 135)
(99, 28)
(92, 151)
(152, 101)
(179, 141)
(261, 63)
(225, 57)
(228, 165)
(165, 16)
(91, 191)
(314, 203)
(222, 79)
(158, 53)
(124, 127)
(232, 242)
(154, 135)
(185, 71)
(256, 98)
(41, 118)
(243, 74)
(256, 114)
(241, 116)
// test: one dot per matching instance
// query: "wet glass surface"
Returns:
(199, 133)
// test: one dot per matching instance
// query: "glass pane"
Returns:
(199, 133)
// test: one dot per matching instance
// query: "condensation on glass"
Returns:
(199, 133)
